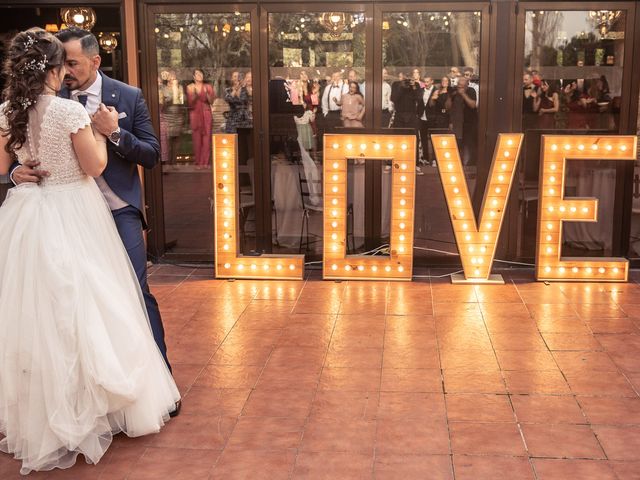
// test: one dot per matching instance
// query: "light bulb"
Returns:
(292, 267)
(402, 225)
(334, 236)
(444, 143)
(567, 146)
(336, 165)
(589, 269)
(594, 146)
(279, 267)
(334, 267)
(387, 268)
(401, 238)
(453, 179)
(561, 269)
(503, 166)
(335, 146)
(403, 178)
(349, 146)
(456, 190)
(447, 155)
(554, 147)
(254, 266)
(334, 189)
(547, 269)
(498, 190)
(335, 178)
(361, 268)
(403, 202)
(553, 166)
(224, 141)
(608, 147)
(623, 148)
(574, 269)
(390, 146)
(403, 190)
(506, 153)
(580, 147)
(549, 238)
(374, 268)
(225, 165)
(450, 166)
(400, 268)
(403, 146)
(334, 201)
(376, 146)
(601, 270)
(334, 224)
(363, 146)
(227, 265)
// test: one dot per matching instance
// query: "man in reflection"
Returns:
(331, 99)
(387, 104)
(468, 73)
(405, 95)
(352, 76)
(463, 119)
(427, 115)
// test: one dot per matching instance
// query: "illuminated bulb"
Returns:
(444, 143)
(601, 270)
(561, 269)
(334, 267)
(498, 190)
(467, 238)
(589, 269)
(334, 189)
(376, 146)
(402, 214)
(227, 236)
(458, 202)
(465, 226)
(608, 147)
(401, 238)
(480, 260)
(585, 209)
(549, 250)
(224, 141)
(594, 146)
(552, 191)
(573, 209)
(401, 249)
(226, 201)
(227, 213)
(403, 202)
(279, 267)
(334, 213)
(336, 165)
(456, 190)
(547, 269)
(503, 166)
(347, 268)
(334, 201)
(335, 178)
(549, 226)
(563, 208)
(334, 236)
(403, 190)
(403, 166)
(489, 225)
(477, 272)
(574, 269)
(580, 147)
(447, 155)
(334, 224)
(471, 249)
(486, 238)
(349, 146)
(225, 224)
(402, 225)
(225, 153)
(615, 270)
(240, 267)
(483, 249)
(266, 266)
(450, 166)
(623, 148)
(292, 267)
(374, 268)
(363, 146)
(335, 146)
(361, 268)
(550, 208)
(506, 153)
(492, 213)
(567, 146)
(225, 189)
(549, 238)
(554, 147)
(553, 167)
(509, 142)
(461, 214)
(254, 266)
(552, 179)
(387, 268)
(474, 260)
(225, 177)
(494, 202)
(453, 179)
(400, 268)
(225, 246)
(227, 265)
(225, 165)
(501, 178)
(403, 146)
(390, 146)
(403, 178)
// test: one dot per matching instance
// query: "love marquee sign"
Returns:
(476, 238)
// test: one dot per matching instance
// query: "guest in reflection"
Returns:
(331, 102)
(438, 102)
(352, 104)
(200, 97)
(468, 73)
(313, 96)
(171, 97)
(387, 104)
(306, 128)
(547, 104)
(163, 94)
(238, 99)
(454, 74)
(529, 94)
(405, 94)
(463, 118)
(416, 76)
(248, 85)
(427, 115)
(352, 76)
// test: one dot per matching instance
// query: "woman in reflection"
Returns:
(547, 104)
(238, 99)
(248, 85)
(171, 115)
(438, 102)
(200, 97)
(352, 104)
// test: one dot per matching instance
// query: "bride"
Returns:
(78, 363)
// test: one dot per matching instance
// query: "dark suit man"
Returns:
(120, 113)
(427, 114)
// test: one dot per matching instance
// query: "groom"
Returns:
(120, 113)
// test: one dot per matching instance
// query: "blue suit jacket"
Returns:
(138, 143)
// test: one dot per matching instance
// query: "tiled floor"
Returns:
(422, 380)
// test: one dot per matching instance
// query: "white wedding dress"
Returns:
(78, 362)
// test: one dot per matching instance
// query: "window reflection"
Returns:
(204, 86)
(572, 82)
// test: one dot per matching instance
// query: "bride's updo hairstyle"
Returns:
(30, 55)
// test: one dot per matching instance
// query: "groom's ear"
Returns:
(96, 61)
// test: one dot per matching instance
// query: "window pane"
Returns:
(205, 86)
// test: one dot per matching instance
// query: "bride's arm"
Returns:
(91, 149)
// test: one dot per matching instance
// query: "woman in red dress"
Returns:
(200, 97)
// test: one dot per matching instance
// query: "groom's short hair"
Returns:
(88, 40)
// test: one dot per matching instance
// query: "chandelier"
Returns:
(335, 22)
(604, 19)
(81, 17)
(108, 41)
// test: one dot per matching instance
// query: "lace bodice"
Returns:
(51, 123)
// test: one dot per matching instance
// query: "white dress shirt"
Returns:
(330, 92)
(386, 97)
(94, 98)
(425, 99)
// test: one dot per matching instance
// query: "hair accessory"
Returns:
(25, 102)
(29, 42)
(34, 65)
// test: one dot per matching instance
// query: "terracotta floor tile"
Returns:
(297, 376)
(339, 435)
(185, 375)
(486, 439)
(279, 403)
(508, 324)
(228, 376)
(563, 325)
(479, 408)
(266, 433)
(403, 437)
(626, 470)
(536, 381)
(400, 405)
(468, 360)
(495, 306)
(397, 306)
(344, 404)
(456, 309)
(195, 432)
(254, 464)
(305, 336)
(403, 467)
(314, 306)
(611, 410)
(410, 339)
(552, 469)
(203, 401)
(526, 360)
(599, 383)
(410, 323)
(297, 355)
(465, 340)
(548, 409)
(517, 341)
(117, 463)
(619, 443)
(354, 358)
(361, 339)
(585, 361)
(561, 441)
(178, 463)
(474, 467)
(411, 380)
(456, 381)
(570, 341)
(409, 357)
(333, 465)
(447, 293)
(350, 379)
(613, 325)
(372, 307)
(552, 311)
(591, 310)
(241, 355)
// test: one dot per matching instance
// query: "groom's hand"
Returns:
(27, 172)
(105, 120)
